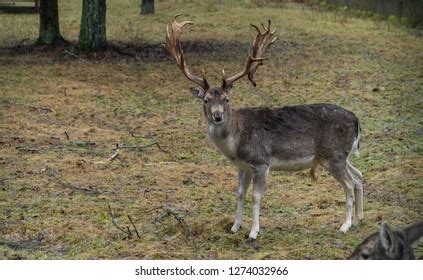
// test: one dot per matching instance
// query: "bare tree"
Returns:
(147, 7)
(92, 36)
(49, 24)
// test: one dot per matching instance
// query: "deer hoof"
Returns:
(345, 227)
(253, 234)
(235, 228)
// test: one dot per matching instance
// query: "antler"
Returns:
(260, 44)
(173, 46)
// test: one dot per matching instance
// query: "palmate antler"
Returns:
(173, 46)
(260, 44)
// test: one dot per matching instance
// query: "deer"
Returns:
(259, 139)
(388, 244)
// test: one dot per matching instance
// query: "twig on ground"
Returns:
(110, 159)
(140, 136)
(27, 149)
(161, 163)
(82, 143)
(67, 135)
(114, 222)
(115, 155)
(32, 107)
(151, 210)
(138, 147)
(86, 190)
(128, 231)
(71, 54)
(169, 211)
(135, 228)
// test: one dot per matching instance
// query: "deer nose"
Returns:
(217, 116)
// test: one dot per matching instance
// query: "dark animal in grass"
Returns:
(388, 244)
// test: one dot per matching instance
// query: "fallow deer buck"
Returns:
(290, 138)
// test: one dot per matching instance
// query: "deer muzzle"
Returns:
(217, 114)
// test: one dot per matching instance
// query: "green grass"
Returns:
(54, 196)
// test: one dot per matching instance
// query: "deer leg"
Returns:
(358, 193)
(259, 185)
(341, 173)
(244, 179)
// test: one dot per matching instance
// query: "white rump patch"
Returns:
(354, 148)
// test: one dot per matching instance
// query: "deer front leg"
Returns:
(259, 185)
(244, 180)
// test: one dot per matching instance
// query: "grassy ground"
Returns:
(56, 184)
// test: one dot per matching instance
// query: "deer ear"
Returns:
(197, 92)
(387, 237)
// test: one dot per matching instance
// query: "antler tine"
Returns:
(260, 43)
(206, 84)
(177, 15)
(223, 78)
(173, 46)
(256, 27)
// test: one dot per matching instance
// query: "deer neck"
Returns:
(221, 136)
(219, 131)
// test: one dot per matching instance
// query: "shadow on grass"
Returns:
(118, 51)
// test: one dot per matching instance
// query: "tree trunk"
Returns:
(49, 24)
(147, 7)
(92, 36)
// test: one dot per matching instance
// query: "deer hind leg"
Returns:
(358, 193)
(259, 185)
(244, 179)
(341, 172)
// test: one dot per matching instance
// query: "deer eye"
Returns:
(227, 100)
(206, 101)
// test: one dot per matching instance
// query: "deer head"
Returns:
(388, 244)
(216, 99)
